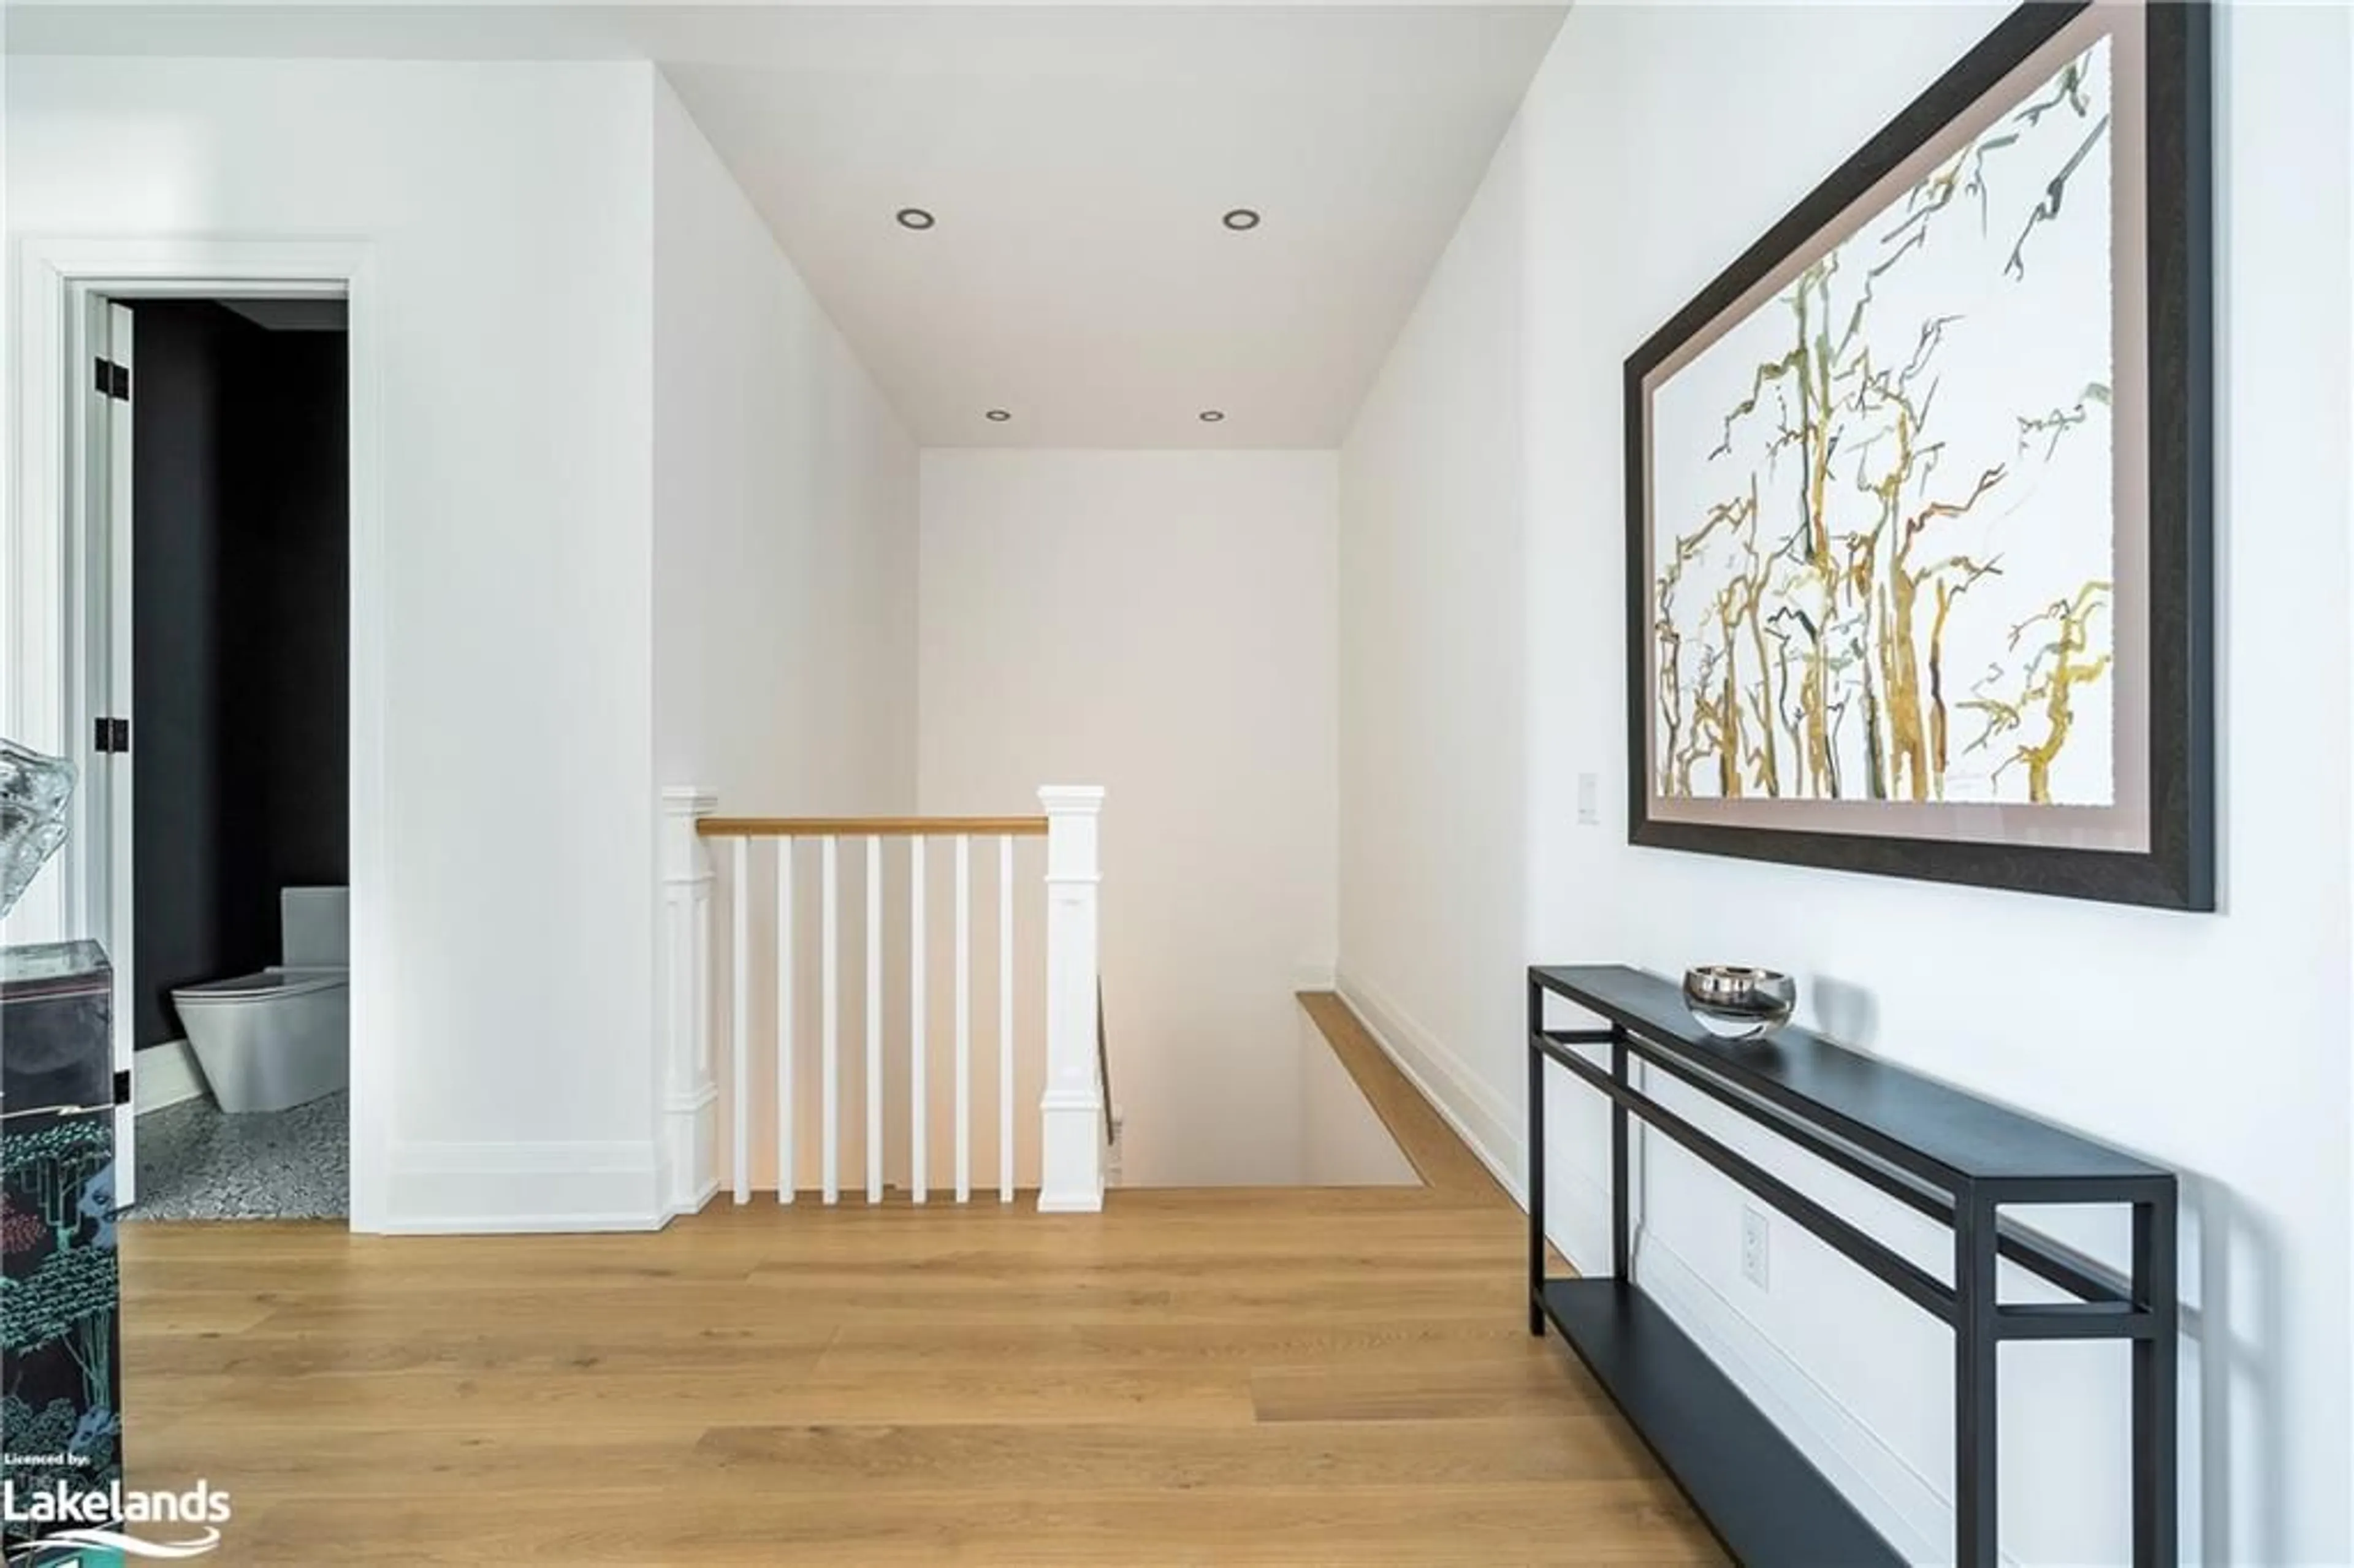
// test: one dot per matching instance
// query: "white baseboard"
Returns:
(1897, 1498)
(163, 1075)
(1484, 1121)
(460, 1189)
(1577, 1206)
(1901, 1503)
(696, 1200)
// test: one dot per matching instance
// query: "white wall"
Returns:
(1433, 861)
(784, 519)
(784, 593)
(1160, 623)
(1481, 551)
(508, 207)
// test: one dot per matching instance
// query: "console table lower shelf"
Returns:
(1764, 1498)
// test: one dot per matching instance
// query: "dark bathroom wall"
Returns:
(242, 539)
(178, 499)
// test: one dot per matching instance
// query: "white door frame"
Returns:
(46, 589)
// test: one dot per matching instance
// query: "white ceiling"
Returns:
(1078, 158)
(1078, 161)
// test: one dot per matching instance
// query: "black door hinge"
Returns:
(122, 1085)
(113, 735)
(113, 380)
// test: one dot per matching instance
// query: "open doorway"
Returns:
(218, 679)
(69, 647)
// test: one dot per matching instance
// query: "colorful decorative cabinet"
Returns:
(59, 1334)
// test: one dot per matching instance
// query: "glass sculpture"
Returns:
(33, 793)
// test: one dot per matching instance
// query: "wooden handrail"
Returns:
(865, 827)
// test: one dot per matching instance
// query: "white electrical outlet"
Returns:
(1589, 798)
(1752, 1247)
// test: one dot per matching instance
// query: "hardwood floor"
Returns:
(1294, 1377)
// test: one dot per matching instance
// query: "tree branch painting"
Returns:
(1882, 507)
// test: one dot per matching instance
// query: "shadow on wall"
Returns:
(1845, 1011)
(2234, 1421)
(2235, 1331)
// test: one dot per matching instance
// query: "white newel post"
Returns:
(689, 1150)
(1071, 1149)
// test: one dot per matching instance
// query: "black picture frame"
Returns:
(2178, 868)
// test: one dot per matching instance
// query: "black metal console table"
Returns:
(1937, 1150)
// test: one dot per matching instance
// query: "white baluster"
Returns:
(785, 1064)
(830, 1024)
(964, 1018)
(875, 1020)
(1005, 1018)
(739, 1034)
(1071, 1137)
(916, 1151)
(687, 1153)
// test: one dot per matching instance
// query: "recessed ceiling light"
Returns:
(914, 218)
(1240, 219)
(997, 416)
(1211, 416)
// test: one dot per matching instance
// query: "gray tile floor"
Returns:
(196, 1163)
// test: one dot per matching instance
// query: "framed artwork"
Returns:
(1919, 575)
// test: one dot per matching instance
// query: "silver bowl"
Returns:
(1734, 1001)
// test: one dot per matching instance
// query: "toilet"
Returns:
(271, 1040)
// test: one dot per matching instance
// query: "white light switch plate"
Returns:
(1589, 798)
